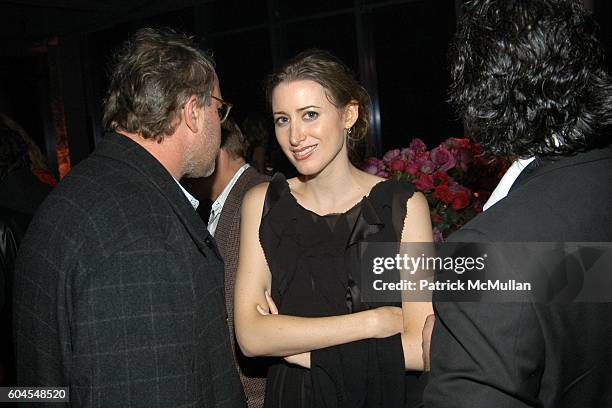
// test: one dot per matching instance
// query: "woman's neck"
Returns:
(333, 189)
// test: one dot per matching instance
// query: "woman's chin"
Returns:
(308, 169)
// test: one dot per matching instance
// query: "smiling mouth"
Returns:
(305, 152)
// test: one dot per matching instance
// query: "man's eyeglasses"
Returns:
(224, 109)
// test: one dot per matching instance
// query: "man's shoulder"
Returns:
(247, 180)
(100, 198)
(565, 202)
(251, 177)
(90, 185)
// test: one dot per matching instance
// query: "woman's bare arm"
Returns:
(417, 228)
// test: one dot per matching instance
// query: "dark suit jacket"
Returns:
(227, 235)
(531, 354)
(119, 293)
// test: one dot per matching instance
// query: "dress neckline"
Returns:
(334, 214)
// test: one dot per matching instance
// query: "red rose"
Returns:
(412, 167)
(424, 183)
(460, 196)
(398, 165)
(441, 178)
(443, 193)
(460, 200)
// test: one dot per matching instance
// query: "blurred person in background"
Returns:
(231, 180)
(38, 162)
(256, 133)
(21, 193)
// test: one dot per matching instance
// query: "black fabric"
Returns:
(13, 225)
(314, 262)
(119, 290)
(21, 193)
(531, 355)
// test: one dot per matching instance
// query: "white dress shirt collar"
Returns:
(192, 200)
(217, 205)
(504, 185)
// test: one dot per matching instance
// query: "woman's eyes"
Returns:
(281, 120)
(311, 115)
(308, 115)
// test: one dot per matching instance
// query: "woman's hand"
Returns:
(302, 359)
(271, 306)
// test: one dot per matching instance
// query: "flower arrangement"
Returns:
(454, 177)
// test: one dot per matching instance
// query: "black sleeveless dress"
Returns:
(313, 260)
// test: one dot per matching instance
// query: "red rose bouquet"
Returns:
(454, 177)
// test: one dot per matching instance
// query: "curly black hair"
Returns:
(529, 79)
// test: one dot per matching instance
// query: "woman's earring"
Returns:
(347, 132)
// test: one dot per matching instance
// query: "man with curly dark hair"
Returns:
(530, 85)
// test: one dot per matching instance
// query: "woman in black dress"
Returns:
(297, 287)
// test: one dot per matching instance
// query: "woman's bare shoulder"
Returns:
(256, 195)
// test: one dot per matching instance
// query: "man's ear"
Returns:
(190, 113)
(351, 113)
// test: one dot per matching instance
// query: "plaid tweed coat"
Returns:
(227, 235)
(119, 291)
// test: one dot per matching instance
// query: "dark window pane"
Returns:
(411, 42)
(219, 16)
(335, 34)
(291, 9)
(243, 62)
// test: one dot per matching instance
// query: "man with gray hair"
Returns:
(119, 288)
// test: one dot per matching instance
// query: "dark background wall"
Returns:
(54, 56)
